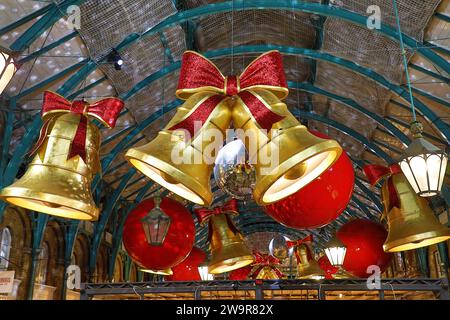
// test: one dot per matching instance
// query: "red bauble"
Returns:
(187, 270)
(364, 241)
(321, 201)
(326, 266)
(241, 273)
(177, 243)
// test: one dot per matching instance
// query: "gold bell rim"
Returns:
(150, 166)
(414, 241)
(33, 200)
(331, 147)
(164, 272)
(230, 264)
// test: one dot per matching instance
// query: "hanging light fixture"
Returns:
(423, 164)
(7, 68)
(156, 224)
(335, 251)
(115, 58)
(204, 273)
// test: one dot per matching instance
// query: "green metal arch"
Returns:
(427, 113)
(303, 6)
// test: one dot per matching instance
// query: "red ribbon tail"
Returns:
(393, 196)
(42, 136)
(78, 146)
(262, 114)
(200, 114)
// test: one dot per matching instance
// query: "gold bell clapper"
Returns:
(411, 222)
(66, 159)
(228, 250)
(181, 157)
(307, 266)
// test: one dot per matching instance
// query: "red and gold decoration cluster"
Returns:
(265, 267)
(253, 102)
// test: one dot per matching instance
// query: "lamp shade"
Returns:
(156, 224)
(423, 164)
(335, 251)
(7, 69)
(204, 273)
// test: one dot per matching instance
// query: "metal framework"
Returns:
(79, 71)
(438, 286)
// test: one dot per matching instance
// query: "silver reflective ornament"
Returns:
(278, 247)
(232, 172)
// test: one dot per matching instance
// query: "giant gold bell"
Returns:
(288, 157)
(179, 166)
(54, 184)
(228, 250)
(307, 266)
(414, 224)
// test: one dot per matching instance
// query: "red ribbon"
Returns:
(265, 260)
(230, 207)
(291, 244)
(307, 240)
(106, 111)
(375, 173)
(198, 74)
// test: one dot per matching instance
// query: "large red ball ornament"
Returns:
(326, 266)
(321, 201)
(364, 241)
(241, 273)
(187, 270)
(176, 245)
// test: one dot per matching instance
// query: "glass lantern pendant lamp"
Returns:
(422, 163)
(156, 224)
(7, 68)
(335, 251)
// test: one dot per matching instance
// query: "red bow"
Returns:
(106, 111)
(265, 260)
(375, 173)
(198, 74)
(291, 244)
(230, 207)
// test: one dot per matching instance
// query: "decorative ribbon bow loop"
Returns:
(106, 111)
(204, 214)
(291, 244)
(265, 260)
(375, 173)
(198, 74)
